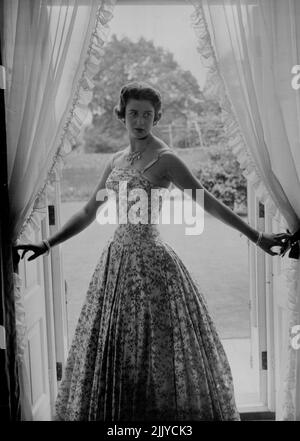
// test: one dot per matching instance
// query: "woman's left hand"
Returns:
(268, 241)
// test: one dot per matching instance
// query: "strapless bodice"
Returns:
(138, 203)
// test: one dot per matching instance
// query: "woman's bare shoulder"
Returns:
(161, 146)
(117, 155)
(120, 152)
(173, 165)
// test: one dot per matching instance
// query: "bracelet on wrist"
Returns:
(47, 245)
(259, 238)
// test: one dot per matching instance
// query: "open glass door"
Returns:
(261, 347)
(58, 282)
(39, 343)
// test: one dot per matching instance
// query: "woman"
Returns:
(145, 347)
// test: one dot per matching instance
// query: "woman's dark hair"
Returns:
(138, 91)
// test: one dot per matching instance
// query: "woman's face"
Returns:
(139, 118)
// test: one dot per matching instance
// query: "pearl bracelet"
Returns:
(47, 245)
(259, 238)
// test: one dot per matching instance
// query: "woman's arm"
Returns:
(85, 216)
(77, 223)
(178, 173)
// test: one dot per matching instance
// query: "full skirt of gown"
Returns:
(145, 347)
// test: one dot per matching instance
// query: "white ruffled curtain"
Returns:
(51, 50)
(250, 48)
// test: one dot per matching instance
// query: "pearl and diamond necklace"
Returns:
(134, 156)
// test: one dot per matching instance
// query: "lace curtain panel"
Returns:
(250, 48)
(51, 51)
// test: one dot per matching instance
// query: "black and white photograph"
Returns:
(150, 213)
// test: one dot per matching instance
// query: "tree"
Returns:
(222, 176)
(124, 61)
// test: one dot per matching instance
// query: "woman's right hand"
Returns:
(38, 250)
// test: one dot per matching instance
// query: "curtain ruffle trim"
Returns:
(21, 330)
(216, 87)
(77, 114)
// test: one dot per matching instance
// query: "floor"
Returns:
(245, 377)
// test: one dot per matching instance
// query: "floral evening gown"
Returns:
(145, 347)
